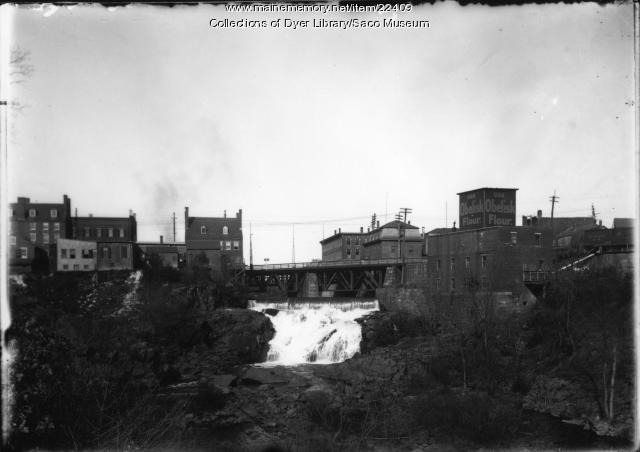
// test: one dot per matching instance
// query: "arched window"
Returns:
(225, 230)
(203, 230)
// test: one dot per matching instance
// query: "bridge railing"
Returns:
(342, 263)
(536, 275)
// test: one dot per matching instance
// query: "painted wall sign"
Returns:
(487, 207)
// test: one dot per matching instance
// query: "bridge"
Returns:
(357, 278)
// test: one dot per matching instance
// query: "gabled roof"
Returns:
(214, 227)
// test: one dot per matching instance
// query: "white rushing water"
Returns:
(314, 332)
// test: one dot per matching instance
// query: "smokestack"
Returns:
(539, 213)
(225, 214)
(161, 240)
(409, 222)
(377, 223)
(361, 229)
(340, 230)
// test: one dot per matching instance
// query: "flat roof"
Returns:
(487, 188)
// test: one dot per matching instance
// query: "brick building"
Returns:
(115, 239)
(487, 259)
(214, 241)
(395, 239)
(34, 230)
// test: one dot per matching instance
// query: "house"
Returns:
(35, 229)
(215, 242)
(77, 255)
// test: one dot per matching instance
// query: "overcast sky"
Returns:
(151, 109)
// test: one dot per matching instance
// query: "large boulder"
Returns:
(233, 337)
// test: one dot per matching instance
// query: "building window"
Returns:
(228, 245)
(484, 261)
(110, 232)
(56, 227)
(514, 238)
(225, 230)
(32, 213)
(121, 233)
(65, 267)
(221, 244)
(348, 241)
(106, 252)
(483, 282)
(45, 227)
(203, 230)
(87, 254)
(538, 238)
(453, 284)
(357, 251)
(45, 237)
(33, 227)
(54, 213)
(98, 232)
(467, 262)
(32, 236)
(124, 252)
(86, 267)
(23, 252)
(76, 267)
(87, 231)
(72, 253)
(452, 265)
(438, 265)
(349, 253)
(236, 245)
(63, 253)
(357, 240)
(438, 283)
(12, 240)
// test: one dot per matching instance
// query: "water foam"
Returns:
(315, 331)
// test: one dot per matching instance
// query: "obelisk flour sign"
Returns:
(486, 207)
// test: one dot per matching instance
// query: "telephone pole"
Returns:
(406, 210)
(174, 227)
(554, 200)
(250, 248)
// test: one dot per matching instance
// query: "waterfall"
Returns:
(319, 332)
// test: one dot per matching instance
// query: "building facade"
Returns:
(105, 229)
(214, 242)
(487, 259)
(170, 254)
(393, 240)
(76, 255)
(35, 229)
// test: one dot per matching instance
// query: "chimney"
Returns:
(239, 214)
(409, 222)
(161, 240)
(539, 213)
(600, 223)
(335, 232)
(361, 229)
(225, 213)
(90, 215)
(377, 223)
(130, 212)
(368, 229)
(340, 230)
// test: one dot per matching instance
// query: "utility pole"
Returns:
(293, 242)
(174, 227)
(399, 220)
(554, 200)
(406, 210)
(250, 248)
